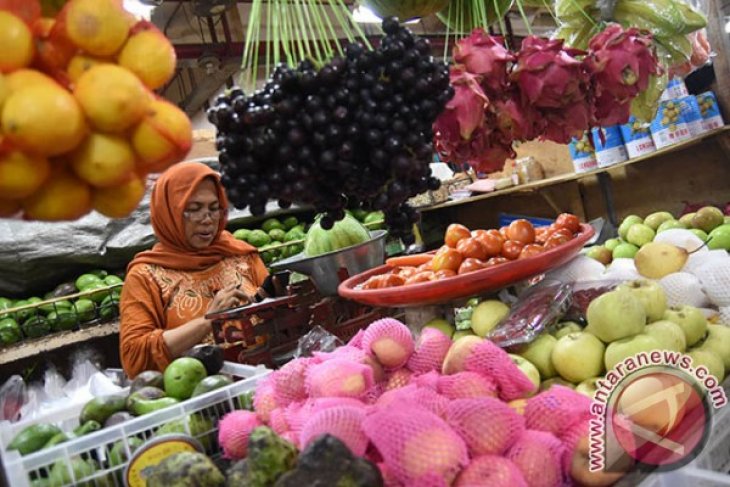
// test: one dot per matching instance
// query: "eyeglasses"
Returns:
(198, 216)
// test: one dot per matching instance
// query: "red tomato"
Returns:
(449, 259)
(425, 276)
(511, 249)
(383, 281)
(492, 245)
(496, 261)
(569, 222)
(477, 233)
(503, 232)
(405, 272)
(472, 248)
(556, 240)
(496, 233)
(563, 233)
(470, 265)
(521, 231)
(424, 267)
(444, 273)
(530, 250)
(454, 233)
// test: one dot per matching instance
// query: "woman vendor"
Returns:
(195, 268)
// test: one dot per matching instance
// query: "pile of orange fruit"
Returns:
(466, 251)
(80, 124)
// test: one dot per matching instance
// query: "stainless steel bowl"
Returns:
(328, 270)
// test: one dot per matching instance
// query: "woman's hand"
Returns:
(227, 298)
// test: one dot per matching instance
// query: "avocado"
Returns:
(148, 378)
(108, 308)
(23, 314)
(112, 280)
(81, 430)
(63, 290)
(98, 296)
(210, 355)
(118, 454)
(56, 306)
(211, 383)
(198, 427)
(84, 280)
(117, 418)
(33, 438)
(100, 408)
(36, 326)
(139, 406)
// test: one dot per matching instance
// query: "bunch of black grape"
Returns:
(355, 133)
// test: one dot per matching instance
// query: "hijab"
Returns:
(167, 204)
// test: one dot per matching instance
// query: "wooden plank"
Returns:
(39, 346)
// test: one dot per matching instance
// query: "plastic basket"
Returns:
(207, 409)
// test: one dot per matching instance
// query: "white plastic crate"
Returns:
(207, 409)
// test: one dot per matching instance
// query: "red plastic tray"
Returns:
(466, 285)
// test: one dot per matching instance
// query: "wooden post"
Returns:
(718, 10)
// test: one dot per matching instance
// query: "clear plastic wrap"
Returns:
(13, 394)
(534, 311)
(317, 340)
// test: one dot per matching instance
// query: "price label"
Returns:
(152, 453)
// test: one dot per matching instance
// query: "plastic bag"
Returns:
(317, 340)
(13, 394)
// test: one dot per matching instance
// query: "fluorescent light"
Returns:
(363, 15)
(727, 27)
(136, 8)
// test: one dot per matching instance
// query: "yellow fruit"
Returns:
(43, 119)
(119, 201)
(25, 78)
(8, 207)
(112, 97)
(150, 56)
(162, 138)
(99, 27)
(80, 64)
(21, 174)
(62, 197)
(4, 89)
(16, 40)
(103, 160)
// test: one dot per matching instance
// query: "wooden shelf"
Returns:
(568, 177)
(38, 346)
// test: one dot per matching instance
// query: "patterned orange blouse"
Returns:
(155, 299)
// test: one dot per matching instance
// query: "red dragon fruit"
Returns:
(620, 62)
(485, 55)
(548, 75)
(464, 113)
(516, 120)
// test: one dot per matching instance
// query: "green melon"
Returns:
(404, 9)
(345, 233)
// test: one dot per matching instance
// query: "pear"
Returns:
(656, 260)
(687, 218)
(669, 334)
(615, 315)
(651, 295)
(708, 218)
(711, 361)
(656, 219)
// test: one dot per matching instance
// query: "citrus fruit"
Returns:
(119, 201)
(4, 89)
(8, 207)
(99, 27)
(85, 280)
(112, 97)
(22, 174)
(44, 119)
(63, 197)
(149, 55)
(103, 160)
(24, 78)
(17, 41)
(163, 137)
(80, 64)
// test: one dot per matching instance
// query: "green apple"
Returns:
(615, 315)
(625, 250)
(655, 220)
(566, 328)
(640, 234)
(630, 220)
(538, 352)
(669, 334)
(687, 219)
(622, 349)
(555, 381)
(442, 325)
(487, 315)
(651, 295)
(701, 234)
(708, 218)
(461, 334)
(720, 238)
(718, 341)
(611, 243)
(578, 356)
(710, 360)
(670, 224)
(691, 320)
(529, 369)
(600, 253)
(588, 387)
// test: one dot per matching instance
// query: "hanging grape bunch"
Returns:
(354, 133)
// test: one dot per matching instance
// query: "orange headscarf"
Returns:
(167, 204)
